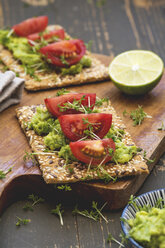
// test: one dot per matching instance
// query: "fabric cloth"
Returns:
(10, 89)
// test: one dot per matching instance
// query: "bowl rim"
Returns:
(123, 214)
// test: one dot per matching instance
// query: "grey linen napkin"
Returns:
(10, 89)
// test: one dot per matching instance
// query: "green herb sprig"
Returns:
(64, 187)
(62, 91)
(137, 115)
(22, 221)
(58, 211)
(63, 60)
(34, 200)
(99, 101)
(111, 238)
(89, 45)
(94, 214)
(89, 131)
(162, 128)
(147, 207)
(76, 105)
(4, 173)
(147, 159)
(103, 175)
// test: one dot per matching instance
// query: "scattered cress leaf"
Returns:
(147, 160)
(94, 214)
(35, 199)
(99, 101)
(111, 238)
(162, 128)
(58, 211)
(137, 115)
(62, 92)
(4, 173)
(64, 187)
(22, 221)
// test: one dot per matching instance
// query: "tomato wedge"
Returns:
(64, 53)
(31, 25)
(73, 126)
(57, 33)
(63, 104)
(93, 152)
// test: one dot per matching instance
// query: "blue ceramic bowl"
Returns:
(129, 211)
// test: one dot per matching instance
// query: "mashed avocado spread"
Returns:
(32, 60)
(44, 124)
(148, 228)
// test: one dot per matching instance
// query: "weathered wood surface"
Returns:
(147, 136)
(114, 27)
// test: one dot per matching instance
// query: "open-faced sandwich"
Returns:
(78, 136)
(47, 57)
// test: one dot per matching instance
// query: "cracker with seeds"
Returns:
(53, 78)
(54, 169)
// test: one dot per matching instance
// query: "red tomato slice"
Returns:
(93, 152)
(59, 33)
(71, 51)
(31, 26)
(53, 103)
(73, 126)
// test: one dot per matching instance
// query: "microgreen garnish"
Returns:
(139, 149)
(31, 72)
(28, 206)
(22, 221)
(124, 238)
(132, 200)
(61, 92)
(148, 160)
(89, 214)
(111, 238)
(10, 33)
(94, 214)
(137, 115)
(110, 151)
(99, 101)
(37, 45)
(64, 187)
(29, 156)
(63, 60)
(76, 105)
(58, 211)
(160, 203)
(35, 199)
(88, 132)
(162, 128)
(4, 173)
(94, 206)
(103, 175)
(89, 45)
(125, 112)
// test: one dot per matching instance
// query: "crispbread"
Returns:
(53, 168)
(97, 72)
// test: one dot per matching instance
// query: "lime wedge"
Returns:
(136, 72)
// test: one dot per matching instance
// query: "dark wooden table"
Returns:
(113, 26)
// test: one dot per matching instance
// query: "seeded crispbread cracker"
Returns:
(97, 72)
(53, 168)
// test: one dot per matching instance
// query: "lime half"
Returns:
(136, 72)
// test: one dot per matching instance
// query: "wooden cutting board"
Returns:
(22, 179)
